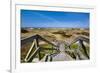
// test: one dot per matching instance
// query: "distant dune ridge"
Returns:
(55, 33)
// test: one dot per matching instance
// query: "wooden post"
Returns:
(37, 51)
(84, 48)
(28, 54)
(37, 45)
(33, 55)
(52, 48)
(46, 58)
(50, 58)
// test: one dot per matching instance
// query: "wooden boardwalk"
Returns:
(61, 55)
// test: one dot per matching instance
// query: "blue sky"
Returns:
(42, 19)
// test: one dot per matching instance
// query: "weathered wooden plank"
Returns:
(84, 48)
(29, 39)
(36, 46)
(33, 55)
(80, 38)
(80, 55)
(28, 54)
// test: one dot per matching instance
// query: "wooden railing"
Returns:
(49, 57)
(35, 44)
(81, 46)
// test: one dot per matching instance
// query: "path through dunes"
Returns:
(62, 56)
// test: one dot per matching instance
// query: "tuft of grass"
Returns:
(46, 46)
(74, 46)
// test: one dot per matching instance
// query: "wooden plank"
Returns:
(28, 54)
(33, 55)
(80, 38)
(36, 46)
(29, 39)
(84, 48)
(80, 55)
